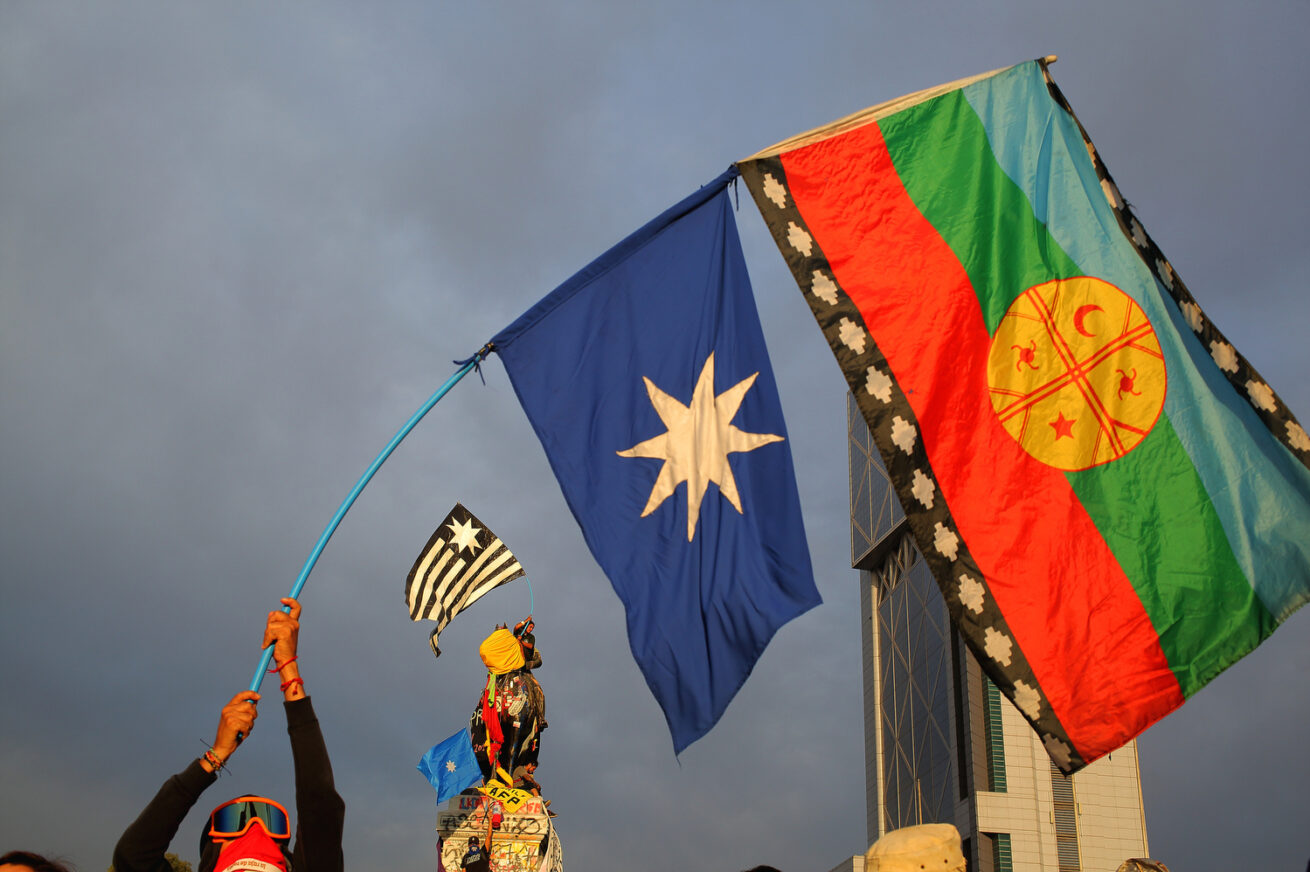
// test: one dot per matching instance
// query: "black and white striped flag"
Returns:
(462, 561)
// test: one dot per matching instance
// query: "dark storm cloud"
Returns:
(238, 248)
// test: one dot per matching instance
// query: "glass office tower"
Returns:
(941, 743)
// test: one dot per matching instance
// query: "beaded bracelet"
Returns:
(212, 759)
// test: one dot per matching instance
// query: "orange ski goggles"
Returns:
(234, 817)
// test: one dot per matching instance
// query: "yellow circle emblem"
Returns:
(1075, 373)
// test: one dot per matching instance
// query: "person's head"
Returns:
(26, 861)
(531, 767)
(473, 842)
(921, 848)
(254, 827)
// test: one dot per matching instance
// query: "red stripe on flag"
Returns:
(1086, 634)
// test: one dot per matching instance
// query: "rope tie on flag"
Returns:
(477, 359)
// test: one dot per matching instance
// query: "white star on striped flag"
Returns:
(462, 561)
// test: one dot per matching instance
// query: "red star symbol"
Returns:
(1063, 426)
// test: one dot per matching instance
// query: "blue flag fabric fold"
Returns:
(646, 378)
(450, 766)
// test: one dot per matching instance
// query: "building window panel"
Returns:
(1065, 815)
(1002, 860)
(994, 737)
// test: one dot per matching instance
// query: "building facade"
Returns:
(942, 744)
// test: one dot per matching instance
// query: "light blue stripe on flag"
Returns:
(1258, 489)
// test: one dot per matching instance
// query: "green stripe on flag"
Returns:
(936, 147)
(1260, 490)
(1157, 518)
(1150, 505)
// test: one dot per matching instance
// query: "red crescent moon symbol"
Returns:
(1081, 315)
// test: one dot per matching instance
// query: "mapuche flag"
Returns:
(646, 377)
(1115, 505)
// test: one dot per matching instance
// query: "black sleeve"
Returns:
(320, 811)
(141, 847)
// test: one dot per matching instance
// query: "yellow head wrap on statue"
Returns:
(501, 652)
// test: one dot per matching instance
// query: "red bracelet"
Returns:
(213, 760)
(278, 667)
(297, 680)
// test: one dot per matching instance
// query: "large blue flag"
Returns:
(451, 766)
(646, 378)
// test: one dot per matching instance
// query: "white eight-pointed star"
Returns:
(464, 535)
(696, 445)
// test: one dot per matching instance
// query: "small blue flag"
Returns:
(647, 380)
(451, 766)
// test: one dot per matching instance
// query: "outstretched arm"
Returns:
(142, 845)
(235, 722)
(320, 811)
(283, 632)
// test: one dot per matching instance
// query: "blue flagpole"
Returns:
(464, 366)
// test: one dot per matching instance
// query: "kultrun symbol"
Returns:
(1102, 384)
(1026, 355)
(1126, 383)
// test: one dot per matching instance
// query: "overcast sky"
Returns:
(241, 243)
